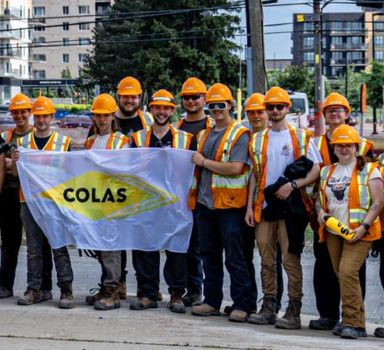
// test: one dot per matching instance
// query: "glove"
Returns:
(377, 247)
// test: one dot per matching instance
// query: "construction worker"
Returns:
(43, 138)
(219, 195)
(336, 111)
(162, 135)
(272, 150)
(192, 99)
(256, 113)
(351, 191)
(103, 111)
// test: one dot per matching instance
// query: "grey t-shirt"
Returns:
(239, 154)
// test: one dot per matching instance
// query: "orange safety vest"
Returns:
(359, 199)
(227, 191)
(209, 123)
(56, 143)
(380, 160)
(116, 141)
(8, 134)
(258, 150)
(180, 139)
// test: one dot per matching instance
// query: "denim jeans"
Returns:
(36, 256)
(222, 230)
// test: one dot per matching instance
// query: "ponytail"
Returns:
(361, 161)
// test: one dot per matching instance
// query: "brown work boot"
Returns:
(30, 297)
(123, 290)
(176, 304)
(66, 297)
(205, 310)
(239, 316)
(139, 294)
(291, 319)
(110, 299)
(143, 303)
(96, 294)
(267, 313)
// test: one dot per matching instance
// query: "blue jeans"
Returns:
(36, 255)
(223, 230)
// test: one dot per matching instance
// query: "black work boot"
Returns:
(176, 304)
(267, 313)
(66, 297)
(291, 318)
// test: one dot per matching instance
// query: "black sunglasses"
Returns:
(188, 97)
(272, 107)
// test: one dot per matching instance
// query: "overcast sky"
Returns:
(280, 44)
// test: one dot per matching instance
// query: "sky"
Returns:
(280, 44)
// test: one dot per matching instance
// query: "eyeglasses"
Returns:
(334, 110)
(217, 105)
(272, 107)
(189, 97)
(347, 147)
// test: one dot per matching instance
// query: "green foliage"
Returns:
(375, 82)
(75, 108)
(149, 47)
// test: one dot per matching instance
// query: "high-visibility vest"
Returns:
(146, 118)
(359, 199)
(181, 139)
(209, 123)
(55, 143)
(321, 144)
(380, 160)
(115, 141)
(258, 150)
(227, 191)
(8, 134)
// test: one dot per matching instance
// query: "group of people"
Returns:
(266, 183)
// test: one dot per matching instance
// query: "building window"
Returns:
(65, 26)
(308, 42)
(83, 41)
(65, 57)
(308, 27)
(39, 11)
(65, 10)
(65, 41)
(40, 74)
(39, 29)
(379, 25)
(84, 26)
(379, 56)
(337, 71)
(378, 41)
(84, 10)
(309, 57)
(336, 26)
(82, 57)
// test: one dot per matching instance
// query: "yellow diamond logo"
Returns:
(98, 196)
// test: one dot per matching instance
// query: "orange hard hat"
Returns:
(276, 95)
(255, 102)
(20, 101)
(129, 86)
(162, 98)
(345, 134)
(193, 86)
(335, 99)
(43, 105)
(104, 104)
(218, 93)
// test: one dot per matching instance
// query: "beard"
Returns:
(126, 113)
(161, 123)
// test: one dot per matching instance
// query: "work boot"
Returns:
(322, 324)
(143, 303)
(30, 297)
(379, 332)
(291, 318)
(110, 299)
(267, 313)
(228, 309)
(239, 316)
(46, 295)
(349, 333)
(338, 330)
(176, 304)
(192, 299)
(66, 297)
(205, 310)
(139, 294)
(90, 299)
(5, 293)
(123, 290)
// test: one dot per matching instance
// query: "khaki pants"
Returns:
(268, 234)
(347, 260)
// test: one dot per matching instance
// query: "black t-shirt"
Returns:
(42, 141)
(165, 142)
(3, 146)
(194, 128)
(334, 158)
(127, 126)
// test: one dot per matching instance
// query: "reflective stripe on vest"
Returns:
(146, 118)
(7, 135)
(115, 141)
(56, 142)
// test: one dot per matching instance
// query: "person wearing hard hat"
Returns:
(351, 190)
(162, 135)
(272, 151)
(43, 138)
(336, 111)
(219, 195)
(108, 137)
(192, 99)
(10, 222)
(256, 113)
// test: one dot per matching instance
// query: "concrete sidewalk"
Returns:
(44, 326)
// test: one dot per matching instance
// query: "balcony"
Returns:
(348, 32)
(37, 58)
(11, 12)
(14, 73)
(12, 34)
(37, 21)
(10, 53)
(38, 42)
(349, 47)
(343, 62)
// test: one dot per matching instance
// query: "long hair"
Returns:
(114, 127)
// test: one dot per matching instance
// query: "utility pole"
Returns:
(319, 124)
(255, 47)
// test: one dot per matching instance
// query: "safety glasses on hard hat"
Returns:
(270, 107)
(190, 97)
(217, 105)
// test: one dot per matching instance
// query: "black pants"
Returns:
(326, 283)
(148, 272)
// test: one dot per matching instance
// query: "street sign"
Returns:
(49, 82)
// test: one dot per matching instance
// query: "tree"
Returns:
(163, 51)
(375, 80)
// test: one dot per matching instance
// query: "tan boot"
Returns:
(66, 297)
(143, 303)
(291, 318)
(123, 290)
(139, 294)
(30, 297)
(110, 299)
(238, 316)
(176, 304)
(205, 310)
(96, 294)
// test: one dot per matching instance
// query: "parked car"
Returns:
(298, 115)
(354, 118)
(6, 122)
(74, 121)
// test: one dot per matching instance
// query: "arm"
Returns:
(227, 168)
(319, 210)
(249, 216)
(15, 158)
(2, 170)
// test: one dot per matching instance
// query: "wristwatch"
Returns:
(366, 226)
(294, 185)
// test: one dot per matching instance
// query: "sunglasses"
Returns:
(272, 107)
(190, 97)
(334, 110)
(217, 105)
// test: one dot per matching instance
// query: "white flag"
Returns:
(110, 199)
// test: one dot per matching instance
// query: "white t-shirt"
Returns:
(337, 191)
(101, 142)
(280, 154)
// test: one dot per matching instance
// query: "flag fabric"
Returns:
(110, 199)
